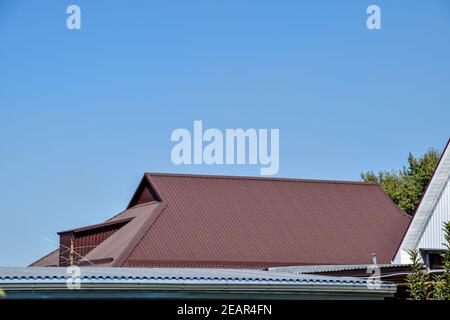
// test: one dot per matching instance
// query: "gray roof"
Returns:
(32, 282)
(172, 274)
(331, 268)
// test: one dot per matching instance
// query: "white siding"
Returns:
(425, 230)
(402, 257)
(433, 237)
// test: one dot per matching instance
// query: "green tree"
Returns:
(406, 186)
(417, 280)
(446, 262)
(440, 285)
(439, 288)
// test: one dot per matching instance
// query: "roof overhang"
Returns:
(426, 207)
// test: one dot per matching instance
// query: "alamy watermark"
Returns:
(74, 279)
(234, 147)
(373, 21)
(73, 21)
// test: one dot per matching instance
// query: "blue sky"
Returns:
(84, 113)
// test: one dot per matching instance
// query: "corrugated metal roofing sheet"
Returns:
(246, 222)
(263, 222)
(49, 260)
(170, 283)
(174, 274)
(332, 268)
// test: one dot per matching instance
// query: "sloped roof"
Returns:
(49, 260)
(426, 208)
(248, 222)
(101, 282)
(182, 275)
(339, 267)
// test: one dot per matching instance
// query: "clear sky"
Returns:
(84, 113)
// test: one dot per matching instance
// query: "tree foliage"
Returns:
(439, 287)
(417, 280)
(446, 262)
(406, 186)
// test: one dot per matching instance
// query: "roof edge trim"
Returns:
(205, 176)
(427, 204)
(95, 226)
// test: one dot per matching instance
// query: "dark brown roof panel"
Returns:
(50, 260)
(218, 221)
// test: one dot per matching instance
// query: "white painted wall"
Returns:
(433, 237)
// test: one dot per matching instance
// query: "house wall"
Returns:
(433, 237)
(425, 231)
(84, 241)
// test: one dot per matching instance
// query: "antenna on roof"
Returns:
(71, 252)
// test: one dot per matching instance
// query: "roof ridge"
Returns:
(251, 178)
(136, 206)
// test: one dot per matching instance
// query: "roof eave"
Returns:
(60, 285)
(427, 204)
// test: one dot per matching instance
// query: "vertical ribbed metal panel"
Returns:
(433, 237)
(84, 241)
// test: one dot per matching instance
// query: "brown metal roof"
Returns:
(259, 222)
(247, 222)
(49, 260)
